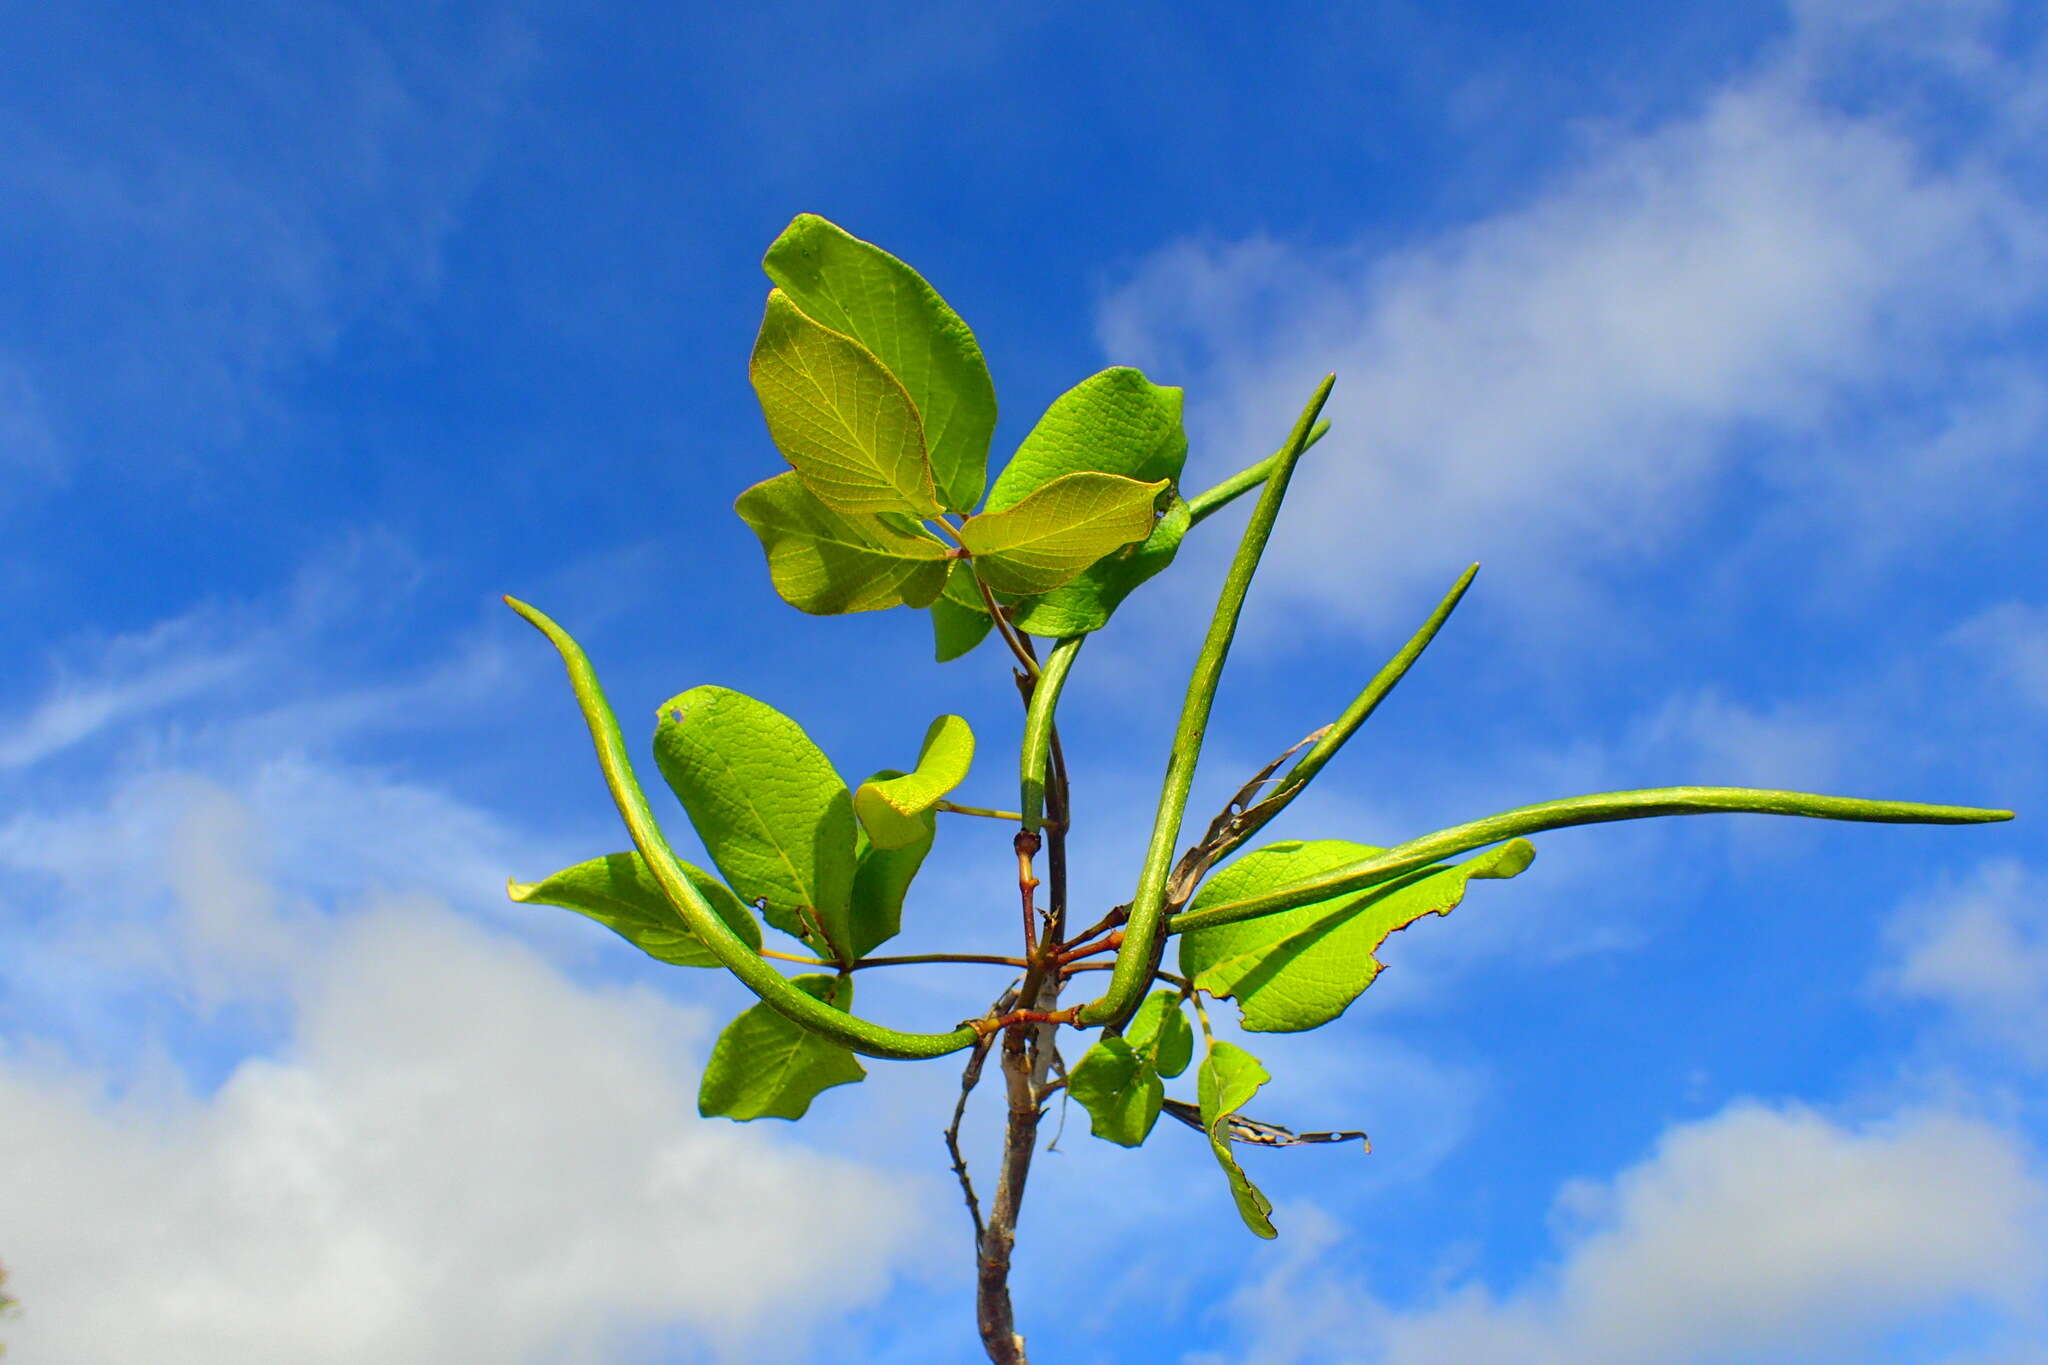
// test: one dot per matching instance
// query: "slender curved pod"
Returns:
(775, 990)
(1578, 810)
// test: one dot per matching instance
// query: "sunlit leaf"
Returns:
(1228, 1079)
(856, 288)
(620, 893)
(830, 563)
(771, 811)
(893, 811)
(839, 417)
(766, 1067)
(1086, 603)
(1301, 968)
(882, 878)
(1115, 422)
(1057, 531)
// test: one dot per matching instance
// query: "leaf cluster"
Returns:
(876, 395)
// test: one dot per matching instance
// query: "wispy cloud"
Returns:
(214, 207)
(1562, 386)
(1979, 948)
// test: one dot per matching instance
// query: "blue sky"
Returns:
(1717, 338)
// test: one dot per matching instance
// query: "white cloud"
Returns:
(1558, 387)
(1980, 949)
(75, 712)
(457, 1153)
(1761, 1233)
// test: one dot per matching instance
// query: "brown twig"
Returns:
(1027, 844)
(1114, 918)
(1228, 829)
(1108, 943)
(970, 1077)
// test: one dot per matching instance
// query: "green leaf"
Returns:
(1057, 531)
(1159, 1032)
(859, 289)
(1085, 604)
(1115, 422)
(1229, 1078)
(1301, 968)
(839, 417)
(1120, 1089)
(771, 811)
(830, 563)
(765, 1066)
(893, 811)
(882, 878)
(957, 629)
(620, 893)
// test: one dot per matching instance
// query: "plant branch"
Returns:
(1018, 649)
(970, 1077)
(1168, 977)
(984, 812)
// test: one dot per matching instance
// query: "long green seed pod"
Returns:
(1134, 960)
(1362, 706)
(774, 989)
(1575, 810)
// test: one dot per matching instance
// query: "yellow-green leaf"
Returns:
(1057, 531)
(1086, 603)
(839, 417)
(620, 893)
(856, 288)
(894, 811)
(882, 877)
(831, 563)
(1228, 1079)
(1114, 422)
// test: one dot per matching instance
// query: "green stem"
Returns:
(983, 811)
(1136, 960)
(908, 960)
(1575, 810)
(729, 948)
(1037, 746)
(1213, 500)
